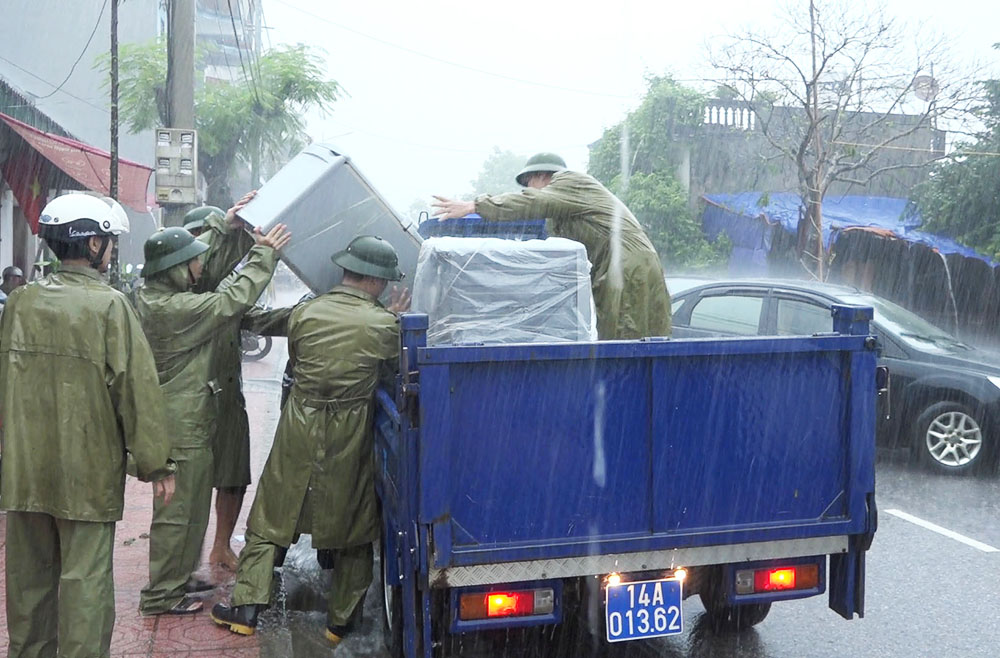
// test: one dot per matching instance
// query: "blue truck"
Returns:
(603, 483)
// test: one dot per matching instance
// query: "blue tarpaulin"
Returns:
(749, 219)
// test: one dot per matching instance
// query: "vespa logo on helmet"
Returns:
(73, 233)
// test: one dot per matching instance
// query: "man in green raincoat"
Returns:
(78, 391)
(626, 276)
(181, 327)
(228, 244)
(319, 477)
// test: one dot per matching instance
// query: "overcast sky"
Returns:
(435, 84)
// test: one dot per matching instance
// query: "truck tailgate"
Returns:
(576, 449)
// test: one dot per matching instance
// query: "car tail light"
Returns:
(777, 579)
(519, 603)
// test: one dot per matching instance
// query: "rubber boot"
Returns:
(241, 619)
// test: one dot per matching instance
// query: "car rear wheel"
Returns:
(950, 438)
(392, 607)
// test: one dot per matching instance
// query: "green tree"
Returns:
(660, 203)
(636, 160)
(656, 133)
(237, 122)
(961, 198)
(496, 176)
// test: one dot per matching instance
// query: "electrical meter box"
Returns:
(326, 202)
(176, 166)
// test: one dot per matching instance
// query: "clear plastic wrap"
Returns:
(490, 290)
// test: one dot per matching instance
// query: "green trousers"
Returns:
(60, 592)
(178, 531)
(352, 574)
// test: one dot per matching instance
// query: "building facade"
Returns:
(49, 80)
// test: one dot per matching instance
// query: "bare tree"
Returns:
(846, 94)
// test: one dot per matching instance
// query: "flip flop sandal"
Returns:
(187, 606)
(195, 585)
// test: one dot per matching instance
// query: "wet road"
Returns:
(929, 594)
(932, 590)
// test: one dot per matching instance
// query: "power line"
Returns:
(264, 28)
(225, 53)
(239, 51)
(73, 68)
(40, 79)
(918, 149)
(430, 147)
(449, 62)
(253, 53)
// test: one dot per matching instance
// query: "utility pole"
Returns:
(258, 19)
(114, 268)
(180, 80)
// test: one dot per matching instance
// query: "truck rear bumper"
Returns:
(592, 565)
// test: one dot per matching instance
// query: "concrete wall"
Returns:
(730, 154)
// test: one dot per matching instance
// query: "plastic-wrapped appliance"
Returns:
(491, 290)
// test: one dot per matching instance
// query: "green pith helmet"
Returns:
(168, 247)
(370, 255)
(541, 162)
(195, 219)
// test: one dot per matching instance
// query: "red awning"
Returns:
(89, 166)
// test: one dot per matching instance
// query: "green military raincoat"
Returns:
(319, 477)
(78, 390)
(226, 248)
(578, 207)
(182, 327)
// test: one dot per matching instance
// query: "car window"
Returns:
(799, 318)
(910, 327)
(890, 349)
(729, 314)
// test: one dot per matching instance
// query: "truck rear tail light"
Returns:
(774, 579)
(515, 604)
(518, 603)
(777, 579)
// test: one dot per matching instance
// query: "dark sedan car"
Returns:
(944, 398)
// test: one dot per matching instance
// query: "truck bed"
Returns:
(518, 462)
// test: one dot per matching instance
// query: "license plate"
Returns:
(649, 608)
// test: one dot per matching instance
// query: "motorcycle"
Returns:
(254, 346)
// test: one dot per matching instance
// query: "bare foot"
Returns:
(223, 557)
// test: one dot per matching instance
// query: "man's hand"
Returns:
(399, 300)
(276, 238)
(445, 208)
(231, 218)
(164, 489)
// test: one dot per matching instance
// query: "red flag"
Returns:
(28, 177)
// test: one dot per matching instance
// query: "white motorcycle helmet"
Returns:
(78, 216)
(88, 215)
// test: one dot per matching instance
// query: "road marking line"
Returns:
(986, 548)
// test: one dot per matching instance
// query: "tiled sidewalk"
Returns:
(191, 636)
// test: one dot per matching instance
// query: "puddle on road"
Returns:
(295, 625)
